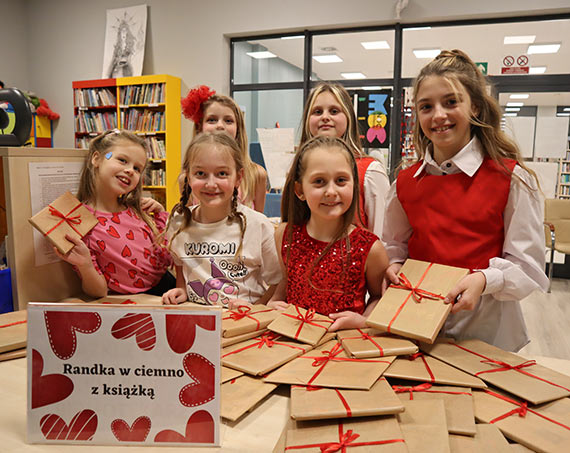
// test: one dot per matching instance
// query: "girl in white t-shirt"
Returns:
(224, 252)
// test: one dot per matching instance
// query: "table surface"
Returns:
(257, 431)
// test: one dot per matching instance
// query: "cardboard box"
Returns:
(506, 370)
(364, 343)
(318, 403)
(245, 319)
(544, 428)
(415, 308)
(65, 215)
(419, 367)
(329, 365)
(303, 325)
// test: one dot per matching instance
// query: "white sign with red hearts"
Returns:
(123, 375)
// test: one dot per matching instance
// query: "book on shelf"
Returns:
(156, 148)
(94, 97)
(152, 93)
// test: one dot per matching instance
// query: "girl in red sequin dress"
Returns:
(330, 264)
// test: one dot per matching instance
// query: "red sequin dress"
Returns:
(337, 285)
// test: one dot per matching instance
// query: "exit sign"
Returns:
(482, 67)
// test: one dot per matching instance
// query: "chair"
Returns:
(557, 229)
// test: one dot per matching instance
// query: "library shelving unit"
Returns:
(564, 177)
(146, 105)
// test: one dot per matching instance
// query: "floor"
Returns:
(548, 320)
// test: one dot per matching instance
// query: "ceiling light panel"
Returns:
(331, 58)
(375, 45)
(261, 55)
(519, 96)
(537, 70)
(519, 39)
(352, 75)
(515, 104)
(426, 53)
(542, 48)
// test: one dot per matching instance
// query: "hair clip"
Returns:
(192, 103)
(108, 155)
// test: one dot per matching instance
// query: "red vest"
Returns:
(456, 219)
(362, 164)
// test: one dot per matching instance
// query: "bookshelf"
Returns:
(146, 105)
(564, 177)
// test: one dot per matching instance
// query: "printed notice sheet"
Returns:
(278, 148)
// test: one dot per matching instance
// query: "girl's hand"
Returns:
(151, 206)
(174, 296)
(346, 320)
(470, 289)
(235, 303)
(391, 276)
(79, 255)
(278, 305)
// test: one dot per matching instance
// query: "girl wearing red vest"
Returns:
(329, 263)
(468, 202)
(329, 111)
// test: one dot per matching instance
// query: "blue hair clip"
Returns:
(108, 155)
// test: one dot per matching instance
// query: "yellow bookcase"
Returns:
(147, 105)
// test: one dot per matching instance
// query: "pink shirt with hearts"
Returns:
(123, 250)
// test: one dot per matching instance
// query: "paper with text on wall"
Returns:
(104, 374)
(278, 148)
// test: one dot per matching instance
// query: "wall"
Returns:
(14, 39)
(189, 38)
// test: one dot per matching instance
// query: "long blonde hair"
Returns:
(351, 136)
(249, 180)
(456, 68)
(212, 139)
(88, 180)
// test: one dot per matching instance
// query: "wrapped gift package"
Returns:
(371, 434)
(239, 338)
(13, 330)
(318, 403)
(506, 370)
(65, 215)
(227, 374)
(424, 426)
(458, 403)
(330, 366)
(415, 307)
(303, 325)
(420, 367)
(544, 428)
(242, 394)
(487, 438)
(365, 343)
(245, 319)
(263, 354)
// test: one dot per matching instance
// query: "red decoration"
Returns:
(308, 318)
(137, 432)
(192, 103)
(74, 220)
(199, 429)
(203, 374)
(82, 426)
(61, 327)
(49, 388)
(140, 325)
(243, 312)
(425, 387)
(181, 330)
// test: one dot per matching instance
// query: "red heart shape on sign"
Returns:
(137, 432)
(199, 429)
(49, 388)
(181, 330)
(202, 390)
(139, 324)
(82, 426)
(62, 325)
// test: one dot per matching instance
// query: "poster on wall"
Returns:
(372, 112)
(123, 375)
(125, 35)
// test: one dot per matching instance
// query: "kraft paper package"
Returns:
(242, 394)
(487, 438)
(365, 343)
(302, 325)
(424, 426)
(245, 319)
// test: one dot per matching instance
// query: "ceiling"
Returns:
(483, 43)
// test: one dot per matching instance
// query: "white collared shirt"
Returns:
(497, 319)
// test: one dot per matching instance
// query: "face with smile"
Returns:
(219, 117)
(119, 170)
(326, 116)
(443, 112)
(326, 184)
(213, 178)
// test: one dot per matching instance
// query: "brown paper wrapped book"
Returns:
(365, 343)
(261, 355)
(245, 319)
(225, 342)
(487, 438)
(506, 370)
(372, 434)
(415, 308)
(242, 394)
(420, 367)
(302, 325)
(13, 330)
(318, 403)
(330, 366)
(227, 374)
(424, 426)
(458, 403)
(65, 215)
(544, 428)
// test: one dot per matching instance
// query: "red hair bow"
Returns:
(192, 103)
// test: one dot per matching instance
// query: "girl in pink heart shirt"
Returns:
(120, 254)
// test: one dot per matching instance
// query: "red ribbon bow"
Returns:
(418, 388)
(366, 336)
(417, 293)
(421, 356)
(266, 339)
(243, 311)
(505, 366)
(75, 220)
(346, 440)
(307, 318)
